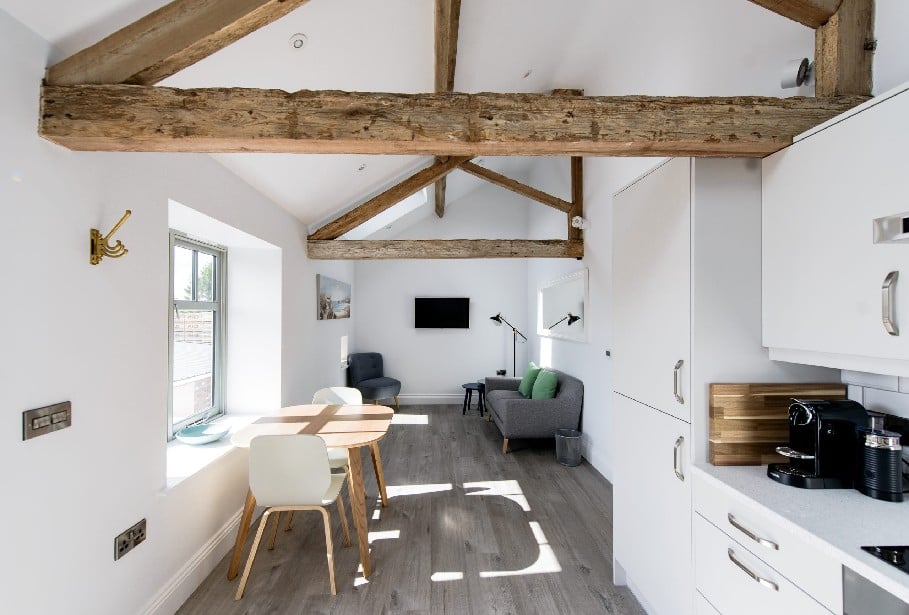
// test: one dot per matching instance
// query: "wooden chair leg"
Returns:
(274, 532)
(252, 556)
(397, 405)
(505, 446)
(290, 521)
(329, 550)
(343, 514)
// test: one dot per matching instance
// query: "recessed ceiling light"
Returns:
(528, 73)
(16, 178)
(298, 41)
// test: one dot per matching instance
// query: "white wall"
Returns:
(433, 363)
(98, 336)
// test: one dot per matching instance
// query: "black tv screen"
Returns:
(441, 312)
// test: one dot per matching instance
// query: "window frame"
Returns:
(218, 306)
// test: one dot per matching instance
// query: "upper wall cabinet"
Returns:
(836, 244)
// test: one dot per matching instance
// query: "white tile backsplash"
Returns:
(888, 402)
(876, 381)
(887, 394)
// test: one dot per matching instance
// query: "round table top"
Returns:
(341, 426)
(476, 386)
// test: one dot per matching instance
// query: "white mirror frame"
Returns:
(562, 332)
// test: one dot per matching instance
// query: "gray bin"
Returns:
(568, 447)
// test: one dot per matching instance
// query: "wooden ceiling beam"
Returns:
(159, 119)
(515, 186)
(844, 51)
(444, 248)
(168, 40)
(388, 198)
(448, 20)
(811, 13)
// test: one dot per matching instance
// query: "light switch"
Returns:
(44, 420)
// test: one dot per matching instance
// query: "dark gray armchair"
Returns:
(365, 372)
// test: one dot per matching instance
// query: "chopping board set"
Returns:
(748, 421)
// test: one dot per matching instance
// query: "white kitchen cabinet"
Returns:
(702, 607)
(652, 229)
(736, 582)
(652, 506)
(822, 271)
(686, 287)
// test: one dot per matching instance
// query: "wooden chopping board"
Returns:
(748, 421)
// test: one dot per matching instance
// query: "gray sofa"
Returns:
(519, 417)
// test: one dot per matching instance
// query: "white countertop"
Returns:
(838, 521)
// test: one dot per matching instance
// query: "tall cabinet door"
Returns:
(652, 540)
(651, 288)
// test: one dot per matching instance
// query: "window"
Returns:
(197, 273)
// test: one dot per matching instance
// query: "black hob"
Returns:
(895, 556)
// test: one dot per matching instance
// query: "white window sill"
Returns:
(185, 460)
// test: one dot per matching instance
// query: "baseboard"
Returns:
(175, 592)
(432, 398)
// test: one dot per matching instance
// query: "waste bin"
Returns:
(568, 447)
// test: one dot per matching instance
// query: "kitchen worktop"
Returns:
(838, 521)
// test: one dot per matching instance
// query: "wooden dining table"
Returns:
(341, 426)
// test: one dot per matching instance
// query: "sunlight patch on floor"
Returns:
(396, 491)
(410, 419)
(546, 561)
(386, 535)
(506, 488)
(446, 576)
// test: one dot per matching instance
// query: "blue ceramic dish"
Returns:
(202, 433)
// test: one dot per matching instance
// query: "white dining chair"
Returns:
(338, 457)
(290, 473)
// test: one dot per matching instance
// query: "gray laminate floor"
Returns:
(467, 530)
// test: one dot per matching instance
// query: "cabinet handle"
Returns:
(761, 541)
(676, 384)
(677, 458)
(766, 583)
(887, 303)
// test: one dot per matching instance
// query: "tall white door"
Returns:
(652, 506)
(652, 289)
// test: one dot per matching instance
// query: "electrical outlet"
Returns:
(129, 540)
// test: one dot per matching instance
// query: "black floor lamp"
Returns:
(499, 319)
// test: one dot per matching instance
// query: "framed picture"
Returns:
(333, 298)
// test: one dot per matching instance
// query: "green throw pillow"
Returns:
(544, 387)
(530, 376)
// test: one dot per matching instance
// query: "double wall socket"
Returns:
(129, 540)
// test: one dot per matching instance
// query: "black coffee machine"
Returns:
(822, 444)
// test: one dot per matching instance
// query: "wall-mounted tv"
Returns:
(441, 312)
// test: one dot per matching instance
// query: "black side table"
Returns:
(469, 388)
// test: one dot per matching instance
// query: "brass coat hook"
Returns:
(100, 244)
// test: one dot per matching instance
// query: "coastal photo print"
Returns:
(333, 298)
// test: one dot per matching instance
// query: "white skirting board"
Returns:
(433, 399)
(172, 596)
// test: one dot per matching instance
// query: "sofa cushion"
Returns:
(544, 387)
(530, 376)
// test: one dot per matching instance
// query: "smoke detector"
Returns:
(298, 41)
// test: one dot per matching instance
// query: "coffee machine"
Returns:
(822, 444)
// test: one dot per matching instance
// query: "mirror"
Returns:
(562, 307)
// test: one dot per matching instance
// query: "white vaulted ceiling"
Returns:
(504, 46)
